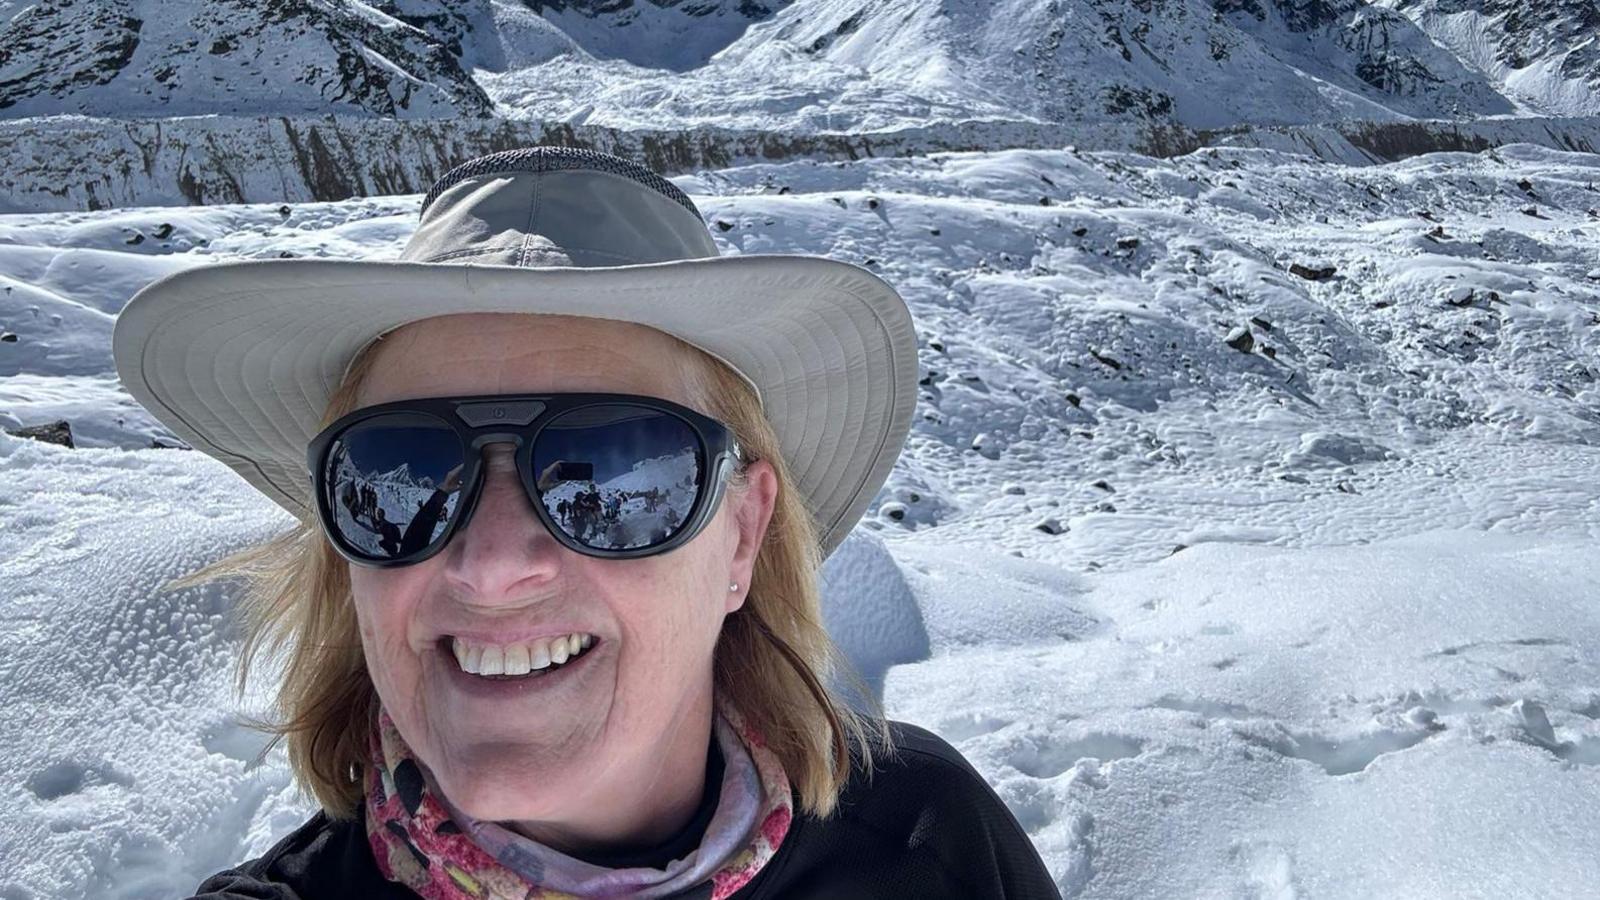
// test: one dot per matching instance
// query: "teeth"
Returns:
(539, 657)
(518, 659)
(494, 662)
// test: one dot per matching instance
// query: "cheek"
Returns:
(384, 603)
(672, 614)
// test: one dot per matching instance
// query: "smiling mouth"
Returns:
(514, 662)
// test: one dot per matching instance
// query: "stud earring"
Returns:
(734, 586)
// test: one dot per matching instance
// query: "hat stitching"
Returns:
(549, 159)
(631, 260)
(883, 440)
(217, 450)
(470, 251)
(512, 248)
(528, 232)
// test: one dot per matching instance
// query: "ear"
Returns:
(752, 511)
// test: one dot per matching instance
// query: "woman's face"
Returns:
(558, 747)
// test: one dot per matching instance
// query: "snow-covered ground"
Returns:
(1245, 540)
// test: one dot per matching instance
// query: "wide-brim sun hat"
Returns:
(239, 359)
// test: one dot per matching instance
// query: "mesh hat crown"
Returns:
(240, 358)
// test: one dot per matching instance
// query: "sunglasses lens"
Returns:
(618, 477)
(392, 484)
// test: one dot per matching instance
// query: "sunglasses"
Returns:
(615, 476)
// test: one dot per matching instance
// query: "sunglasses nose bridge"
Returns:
(476, 448)
(479, 441)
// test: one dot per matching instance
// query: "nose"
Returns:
(504, 553)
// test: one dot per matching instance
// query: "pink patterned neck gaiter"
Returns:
(420, 840)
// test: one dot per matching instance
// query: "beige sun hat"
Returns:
(239, 359)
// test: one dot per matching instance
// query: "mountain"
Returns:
(809, 66)
(142, 58)
(1544, 55)
(401, 476)
(841, 65)
(217, 101)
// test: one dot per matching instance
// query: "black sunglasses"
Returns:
(615, 476)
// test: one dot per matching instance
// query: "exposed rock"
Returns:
(58, 432)
(1313, 273)
(1051, 525)
(99, 163)
(1105, 359)
(1241, 340)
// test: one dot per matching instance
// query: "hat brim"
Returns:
(240, 359)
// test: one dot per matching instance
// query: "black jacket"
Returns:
(927, 826)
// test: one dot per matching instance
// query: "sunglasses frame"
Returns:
(517, 419)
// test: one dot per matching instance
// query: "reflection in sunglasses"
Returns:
(638, 507)
(610, 476)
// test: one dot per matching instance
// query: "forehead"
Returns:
(500, 353)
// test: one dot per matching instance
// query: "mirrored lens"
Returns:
(618, 477)
(393, 483)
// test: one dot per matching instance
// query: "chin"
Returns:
(500, 791)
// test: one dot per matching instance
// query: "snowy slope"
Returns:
(141, 102)
(841, 65)
(1235, 575)
(1543, 56)
(803, 67)
(129, 58)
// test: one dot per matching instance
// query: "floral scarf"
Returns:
(420, 840)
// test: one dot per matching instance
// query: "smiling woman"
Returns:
(550, 626)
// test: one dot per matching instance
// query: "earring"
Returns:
(734, 586)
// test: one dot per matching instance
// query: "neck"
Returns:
(643, 806)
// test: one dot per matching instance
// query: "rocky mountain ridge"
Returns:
(706, 82)
(68, 163)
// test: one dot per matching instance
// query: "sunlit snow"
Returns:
(1245, 539)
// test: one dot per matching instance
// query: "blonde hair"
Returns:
(773, 658)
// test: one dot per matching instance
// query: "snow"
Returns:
(1313, 622)
(806, 67)
(1542, 60)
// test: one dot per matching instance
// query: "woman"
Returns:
(512, 701)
